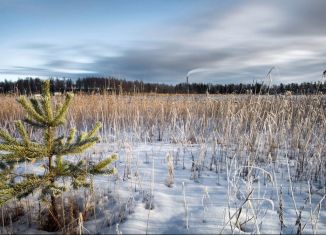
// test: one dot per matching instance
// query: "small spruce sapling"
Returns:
(40, 114)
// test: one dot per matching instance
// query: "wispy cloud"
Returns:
(234, 42)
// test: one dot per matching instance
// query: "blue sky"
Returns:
(163, 41)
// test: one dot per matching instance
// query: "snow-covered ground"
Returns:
(205, 198)
(204, 204)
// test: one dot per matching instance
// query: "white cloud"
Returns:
(238, 44)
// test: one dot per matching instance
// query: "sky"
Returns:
(164, 41)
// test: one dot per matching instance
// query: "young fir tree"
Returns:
(52, 148)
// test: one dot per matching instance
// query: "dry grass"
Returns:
(250, 131)
(260, 125)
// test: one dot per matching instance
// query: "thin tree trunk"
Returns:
(53, 220)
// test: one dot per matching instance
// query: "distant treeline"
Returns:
(112, 85)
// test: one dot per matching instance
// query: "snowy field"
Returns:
(143, 170)
(203, 196)
(251, 165)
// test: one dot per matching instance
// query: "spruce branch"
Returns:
(94, 131)
(62, 110)
(7, 137)
(99, 168)
(46, 105)
(71, 136)
(29, 109)
(23, 133)
(33, 123)
(36, 105)
(81, 137)
(20, 190)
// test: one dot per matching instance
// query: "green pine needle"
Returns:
(100, 167)
(41, 114)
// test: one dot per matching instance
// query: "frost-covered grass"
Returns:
(243, 164)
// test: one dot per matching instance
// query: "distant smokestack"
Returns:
(188, 79)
